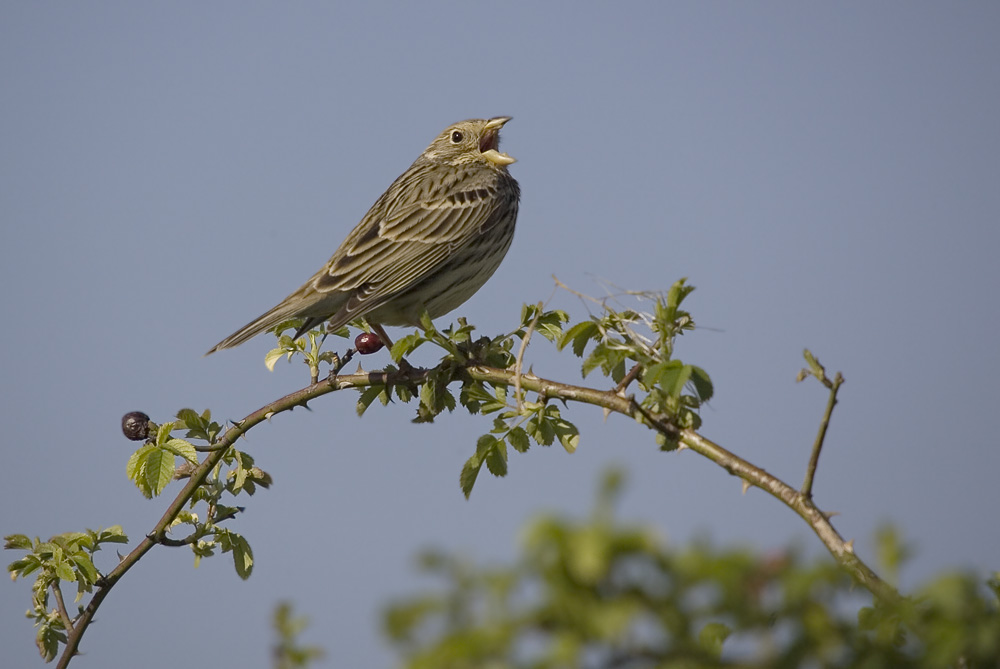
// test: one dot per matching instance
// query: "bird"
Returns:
(433, 238)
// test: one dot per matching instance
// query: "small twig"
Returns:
(582, 296)
(61, 605)
(629, 378)
(342, 362)
(821, 435)
(186, 541)
(518, 364)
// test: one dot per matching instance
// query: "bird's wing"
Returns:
(397, 245)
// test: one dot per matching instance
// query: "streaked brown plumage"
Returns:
(430, 242)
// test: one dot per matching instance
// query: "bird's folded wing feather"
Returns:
(390, 252)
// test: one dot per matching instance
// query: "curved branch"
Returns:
(610, 400)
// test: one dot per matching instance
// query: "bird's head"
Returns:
(476, 140)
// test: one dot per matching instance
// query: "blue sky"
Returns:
(826, 175)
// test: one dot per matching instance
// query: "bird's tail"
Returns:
(262, 323)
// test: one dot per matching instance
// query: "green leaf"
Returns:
(159, 470)
(85, 567)
(473, 395)
(580, 334)
(182, 448)
(702, 384)
(666, 444)
(518, 439)
(549, 324)
(47, 641)
(242, 556)
(112, 535)
(23, 567)
(239, 473)
(677, 293)
(405, 345)
(596, 358)
(273, 356)
(544, 433)
(653, 374)
(484, 444)
(163, 433)
(496, 459)
(64, 571)
(404, 393)
(368, 396)
(17, 542)
(528, 312)
(470, 471)
(674, 380)
(189, 418)
(136, 468)
(569, 435)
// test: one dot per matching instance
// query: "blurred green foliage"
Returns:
(600, 593)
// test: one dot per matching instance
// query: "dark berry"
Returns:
(367, 342)
(135, 425)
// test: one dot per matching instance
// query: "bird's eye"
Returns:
(457, 137)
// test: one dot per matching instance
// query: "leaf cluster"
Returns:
(625, 345)
(65, 557)
(155, 464)
(643, 342)
(605, 594)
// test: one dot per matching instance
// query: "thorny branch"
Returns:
(612, 401)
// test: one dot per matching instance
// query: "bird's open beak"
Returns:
(490, 142)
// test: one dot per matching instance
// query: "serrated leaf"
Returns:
(580, 334)
(47, 641)
(404, 393)
(368, 396)
(618, 371)
(484, 444)
(596, 358)
(496, 459)
(666, 444)
(23, 567)
(550, 325)
(163, 433)
(528, 312)
(159, 470)
(702, 384)
(189, 418)
(64, 571)
(518, 439)
(17, 542)
(405, 345)
(470, 472)
(136, 467)
(183, 449)
(86, 567)
(545, 434)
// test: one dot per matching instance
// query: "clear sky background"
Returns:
(828, 176)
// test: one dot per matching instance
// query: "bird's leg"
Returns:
(380, 331)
